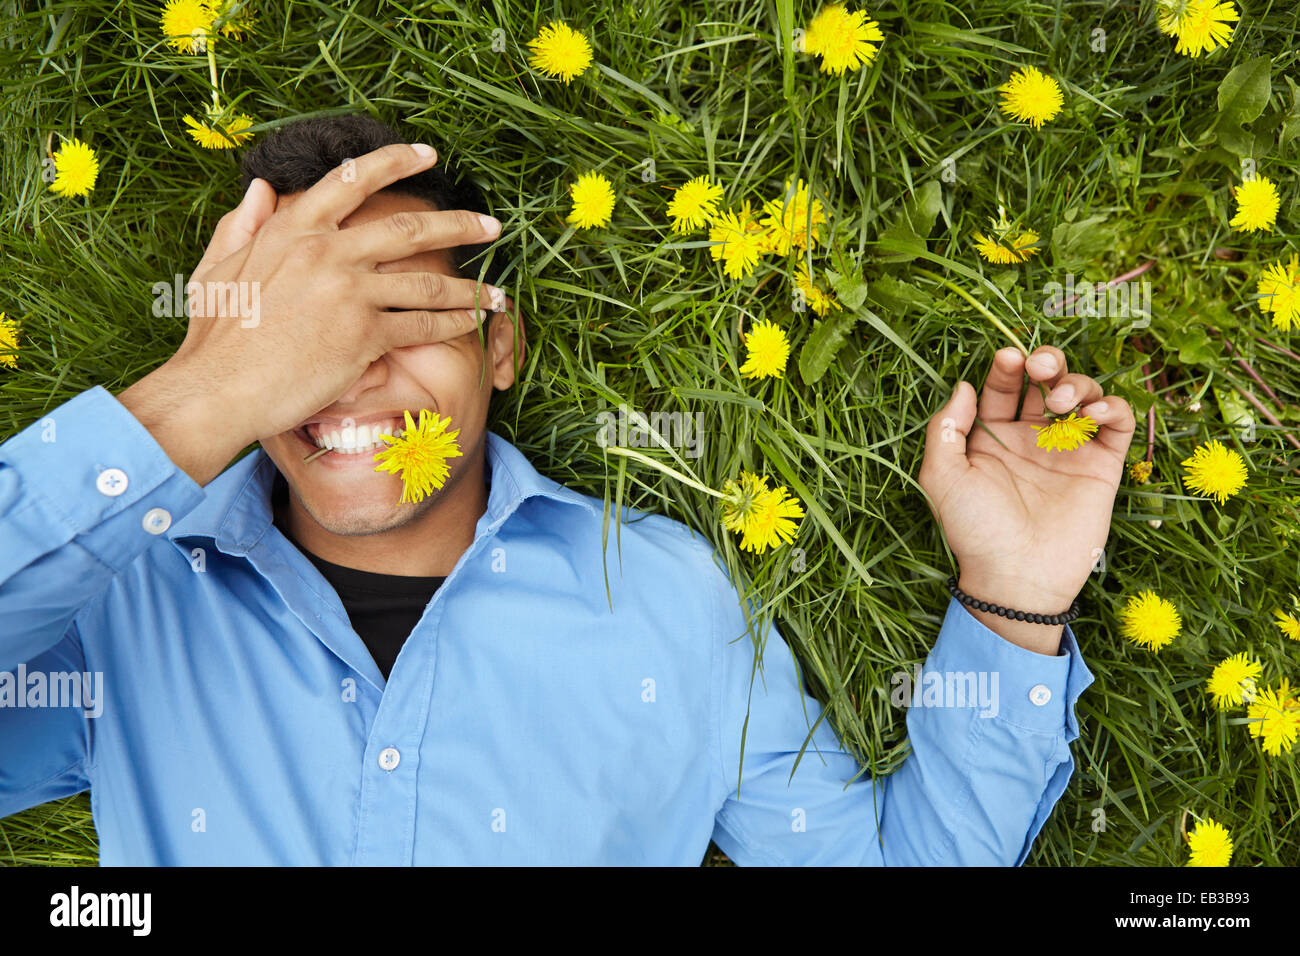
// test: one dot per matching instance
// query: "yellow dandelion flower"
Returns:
(1199, 25)
(1279, 291)
(220, 134)
(768, 350)
(843, 40)
(1233, 679)
(819, 301)
(1031, 96)
(1006, 244)
(786, 219)
(763, 517)
(1214, 471)
(560, 51)
(1013, 248)
(235, 18)
(772, 521)
(1209, 843)
(742, 497)
(1286, 622)
(736, 243)
(593, 201)
(1150, 621)
(76, 167)
(1140, 471)
(1066, 434)
(419, 456)
(1275, 717)
(1257, 205)
(694, 204)
(8, 341)
(187, 25)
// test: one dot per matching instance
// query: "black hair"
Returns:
(296, 156)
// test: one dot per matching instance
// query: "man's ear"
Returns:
(505, 341)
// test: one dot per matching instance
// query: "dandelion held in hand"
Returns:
(1066, 434)
(420, 455)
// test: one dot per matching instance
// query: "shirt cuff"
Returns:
(1036, 692)
(90, 470)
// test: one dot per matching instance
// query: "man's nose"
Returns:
(373, 377)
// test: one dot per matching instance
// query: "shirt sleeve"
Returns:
(76, 487)
(989, 724)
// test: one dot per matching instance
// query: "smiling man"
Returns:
(300, 669)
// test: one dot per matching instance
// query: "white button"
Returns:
(1040, 694)
(389, 758)
(111, 482)
(157, 520)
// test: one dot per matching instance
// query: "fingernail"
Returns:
(490, 225)
(424, 150)
(1095, 409)
(1065, 393)
(1046, 362)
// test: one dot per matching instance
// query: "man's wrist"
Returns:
(186, 419)
(1019, 595)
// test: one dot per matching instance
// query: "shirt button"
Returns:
(157, 520)
(111, 482)
(1040, 694)
(389, 758)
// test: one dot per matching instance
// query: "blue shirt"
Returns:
(234, 717)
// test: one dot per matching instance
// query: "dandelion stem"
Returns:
(212, 74)
(646, 459)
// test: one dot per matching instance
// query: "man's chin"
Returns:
(353, 518)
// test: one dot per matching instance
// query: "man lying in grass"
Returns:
(300, 666)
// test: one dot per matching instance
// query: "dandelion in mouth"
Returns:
(420, 456)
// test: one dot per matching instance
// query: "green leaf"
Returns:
(1244, 92)
(904, 240)
(894, 295)
(1194, 346)
(826, 340)
(1082, 240)
(851, 290)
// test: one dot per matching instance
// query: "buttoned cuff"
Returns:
(90, 470)
(1036, 692)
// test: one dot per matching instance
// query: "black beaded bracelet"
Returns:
(1031, 616)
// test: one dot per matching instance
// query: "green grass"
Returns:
(1138, 167)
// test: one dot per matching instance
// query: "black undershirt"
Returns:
(383, 608)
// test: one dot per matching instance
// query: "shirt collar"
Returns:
(236, 508)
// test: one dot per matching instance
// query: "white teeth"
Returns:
(357, 439)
